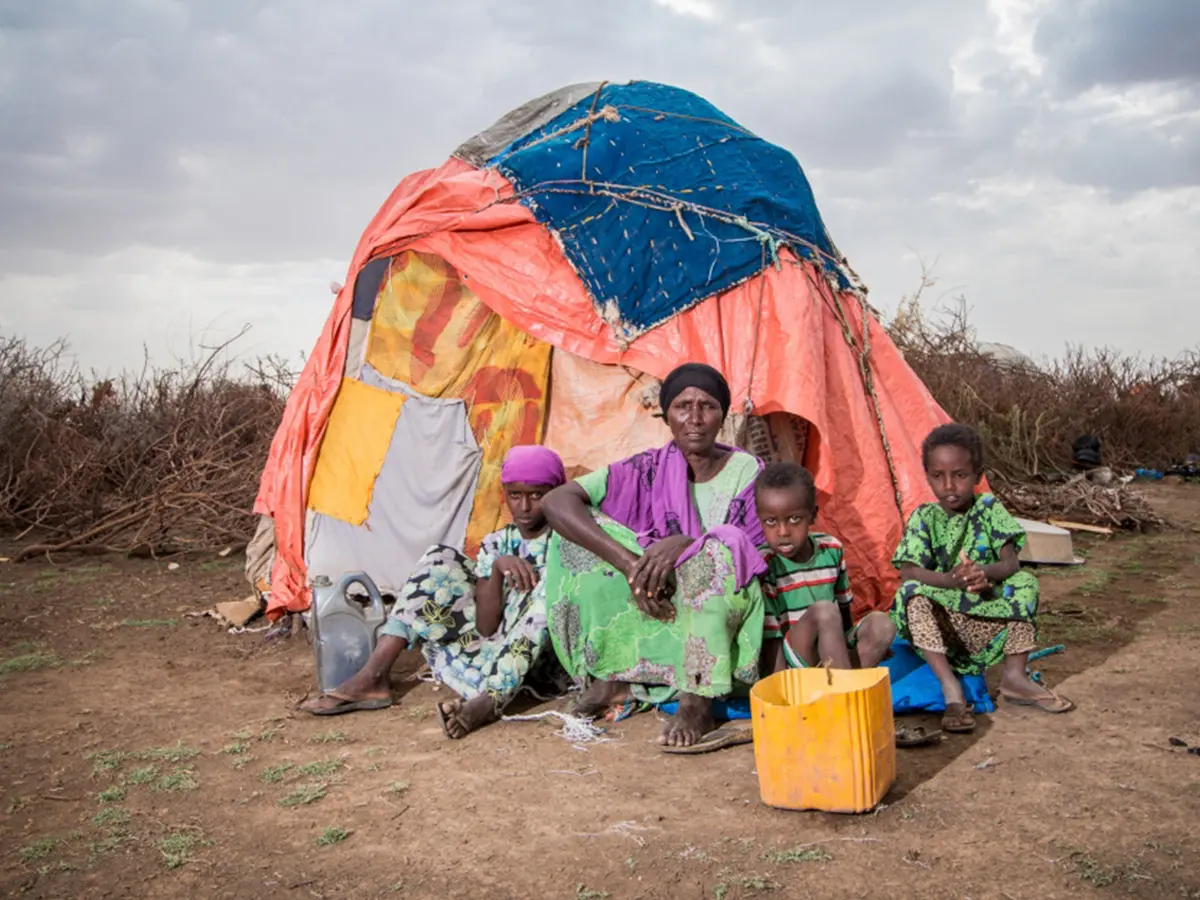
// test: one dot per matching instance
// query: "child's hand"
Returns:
(970, 576)
(516, 572)
(977, 581)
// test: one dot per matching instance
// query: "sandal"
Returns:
(916, 737)
(958, 719)
(1053, 704)
(728, 735)
(346, 704)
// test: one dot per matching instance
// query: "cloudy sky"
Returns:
(173, 169)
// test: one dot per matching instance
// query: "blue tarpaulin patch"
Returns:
(677, 201)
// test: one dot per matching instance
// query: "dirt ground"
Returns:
(146, 754)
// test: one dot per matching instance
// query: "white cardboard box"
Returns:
(1047, 544)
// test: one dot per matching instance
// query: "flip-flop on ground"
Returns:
(344, 704)
(728, 735)
(958, 719)
(916, 737)
(1053, 704)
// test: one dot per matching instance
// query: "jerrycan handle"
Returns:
(364, 580)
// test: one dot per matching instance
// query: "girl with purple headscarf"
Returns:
(480, 625)
(651, 576)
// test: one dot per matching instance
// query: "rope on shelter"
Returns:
(764, 237)
(586, 140)
(683, 222)
(863, 354)
(762, 290)
(660, 114)
(772, 238)
(607, 113)
(864, 364)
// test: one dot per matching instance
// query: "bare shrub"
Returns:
(151, 462)
(163, 460)
(1146, 412)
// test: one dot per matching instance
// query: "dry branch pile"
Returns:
(151, 463)
(1080, 500)
(168, 460)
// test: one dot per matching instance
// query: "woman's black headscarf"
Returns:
(696, 375)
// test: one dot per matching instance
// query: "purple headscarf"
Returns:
(533, 464)
(649, 494)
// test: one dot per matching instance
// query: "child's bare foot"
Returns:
(359, 692)
(1026, 692)
(692, 721)
(958, 718)
(1019, 689)
(370, 688)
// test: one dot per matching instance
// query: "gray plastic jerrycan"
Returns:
(344, 629)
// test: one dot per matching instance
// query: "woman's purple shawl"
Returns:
(649, 494)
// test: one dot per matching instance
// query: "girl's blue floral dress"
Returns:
(436, 612)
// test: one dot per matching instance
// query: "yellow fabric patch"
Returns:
(356, 440)
(430, 331)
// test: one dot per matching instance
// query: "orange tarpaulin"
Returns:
(454, 195)
(785, 340)
(600, 413)
(432, 333)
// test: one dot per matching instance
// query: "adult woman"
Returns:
(481, 626)
(651, 574)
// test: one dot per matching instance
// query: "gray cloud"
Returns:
(242, 134)
(255, 137)
(1122, 42)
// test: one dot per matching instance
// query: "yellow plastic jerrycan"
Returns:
(824, 738)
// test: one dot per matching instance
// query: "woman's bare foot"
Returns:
(692, 721)
(461, 718)
(599, 697)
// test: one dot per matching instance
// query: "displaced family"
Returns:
(688, 572)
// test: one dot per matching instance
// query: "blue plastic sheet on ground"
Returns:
(631, 224)
(915, 688)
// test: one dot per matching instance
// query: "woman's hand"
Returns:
(652, 575)
(516, 572)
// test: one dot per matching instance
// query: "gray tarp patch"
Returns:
(522, 120)
(423, 495)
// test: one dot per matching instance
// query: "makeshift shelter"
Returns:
(534, 288)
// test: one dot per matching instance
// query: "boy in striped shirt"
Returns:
(806, 586)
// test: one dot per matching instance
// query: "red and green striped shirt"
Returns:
(792, 587)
